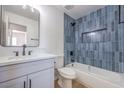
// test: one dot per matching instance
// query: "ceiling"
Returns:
(77, 11)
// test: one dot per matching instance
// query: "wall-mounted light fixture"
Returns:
(28, 6)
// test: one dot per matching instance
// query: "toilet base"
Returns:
(65, 83)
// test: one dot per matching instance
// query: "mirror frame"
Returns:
(2, 36)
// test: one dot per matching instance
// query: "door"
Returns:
(42, 79)
(15, 83)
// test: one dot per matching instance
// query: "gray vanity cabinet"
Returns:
(42, 79)
(36, 74)
(15, 83)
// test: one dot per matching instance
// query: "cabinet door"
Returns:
(42, 79)
(15, 83)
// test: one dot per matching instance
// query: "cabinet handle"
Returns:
(24, 84)
(29, 83)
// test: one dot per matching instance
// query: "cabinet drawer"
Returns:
(18, 70)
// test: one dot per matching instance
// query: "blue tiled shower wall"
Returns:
(96, 39)
(69, 40)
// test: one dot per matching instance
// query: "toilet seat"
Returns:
(67, 73)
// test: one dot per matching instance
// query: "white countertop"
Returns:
(22, 59)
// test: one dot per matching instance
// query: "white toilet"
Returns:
(66, 75)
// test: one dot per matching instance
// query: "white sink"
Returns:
(12, 58)
(21, 59)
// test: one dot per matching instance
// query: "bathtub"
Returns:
(95, 77)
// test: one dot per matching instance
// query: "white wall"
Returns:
(51, 34)
(52, 31)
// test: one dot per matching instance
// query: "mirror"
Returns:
(20, 25)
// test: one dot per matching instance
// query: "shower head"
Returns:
(73, 24)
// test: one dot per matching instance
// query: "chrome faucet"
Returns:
(24, 52)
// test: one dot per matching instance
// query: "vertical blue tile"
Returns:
(122, 13)
(104, 49)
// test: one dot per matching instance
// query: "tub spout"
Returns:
(89, 68)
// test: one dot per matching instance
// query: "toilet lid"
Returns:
(67, 71)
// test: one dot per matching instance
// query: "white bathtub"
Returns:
(96, 77)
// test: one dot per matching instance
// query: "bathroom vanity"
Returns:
(20, 26)
(33, 72)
